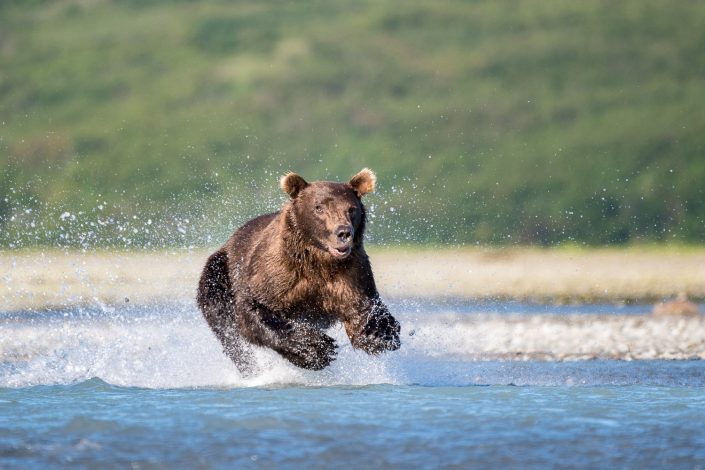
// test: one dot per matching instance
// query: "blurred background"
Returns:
(167, 123)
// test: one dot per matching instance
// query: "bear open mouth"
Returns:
(340, 252)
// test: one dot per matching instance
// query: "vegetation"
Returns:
(158, 123)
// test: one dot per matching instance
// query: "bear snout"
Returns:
(344, 233)
(341, 247)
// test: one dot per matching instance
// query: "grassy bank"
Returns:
(40, 279)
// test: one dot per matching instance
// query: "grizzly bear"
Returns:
(283, 278)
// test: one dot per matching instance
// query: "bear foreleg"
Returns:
(299, 343)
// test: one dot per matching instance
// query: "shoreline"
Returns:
(42, 279)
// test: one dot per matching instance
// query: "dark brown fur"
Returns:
(283, 278)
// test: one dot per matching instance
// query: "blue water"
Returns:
(147, 387)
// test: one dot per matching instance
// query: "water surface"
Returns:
(148, 387)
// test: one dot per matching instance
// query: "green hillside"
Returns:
(152, 123)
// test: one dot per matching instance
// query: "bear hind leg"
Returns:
(215, 299)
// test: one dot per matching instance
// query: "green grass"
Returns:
(487, 121)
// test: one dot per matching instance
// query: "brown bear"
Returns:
(283, 278)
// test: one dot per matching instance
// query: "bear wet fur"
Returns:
(283, 278)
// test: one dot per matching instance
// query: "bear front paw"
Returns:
(309, 349)
(380, 333)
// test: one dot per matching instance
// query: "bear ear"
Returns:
(292, 184)
(363, 182)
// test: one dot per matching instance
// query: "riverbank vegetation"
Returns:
(129, 123)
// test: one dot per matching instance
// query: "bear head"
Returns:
(329, 216)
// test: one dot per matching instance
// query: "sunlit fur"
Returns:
(364, 182)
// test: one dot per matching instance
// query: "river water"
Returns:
(148, 387)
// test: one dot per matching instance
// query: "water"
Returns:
(148, 387)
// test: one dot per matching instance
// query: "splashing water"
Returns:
(165, 347)
(170, 346)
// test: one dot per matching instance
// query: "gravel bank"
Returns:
(564, 337)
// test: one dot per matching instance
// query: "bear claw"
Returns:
(381, 333)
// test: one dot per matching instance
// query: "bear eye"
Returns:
(352, 211)
(319, 209)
